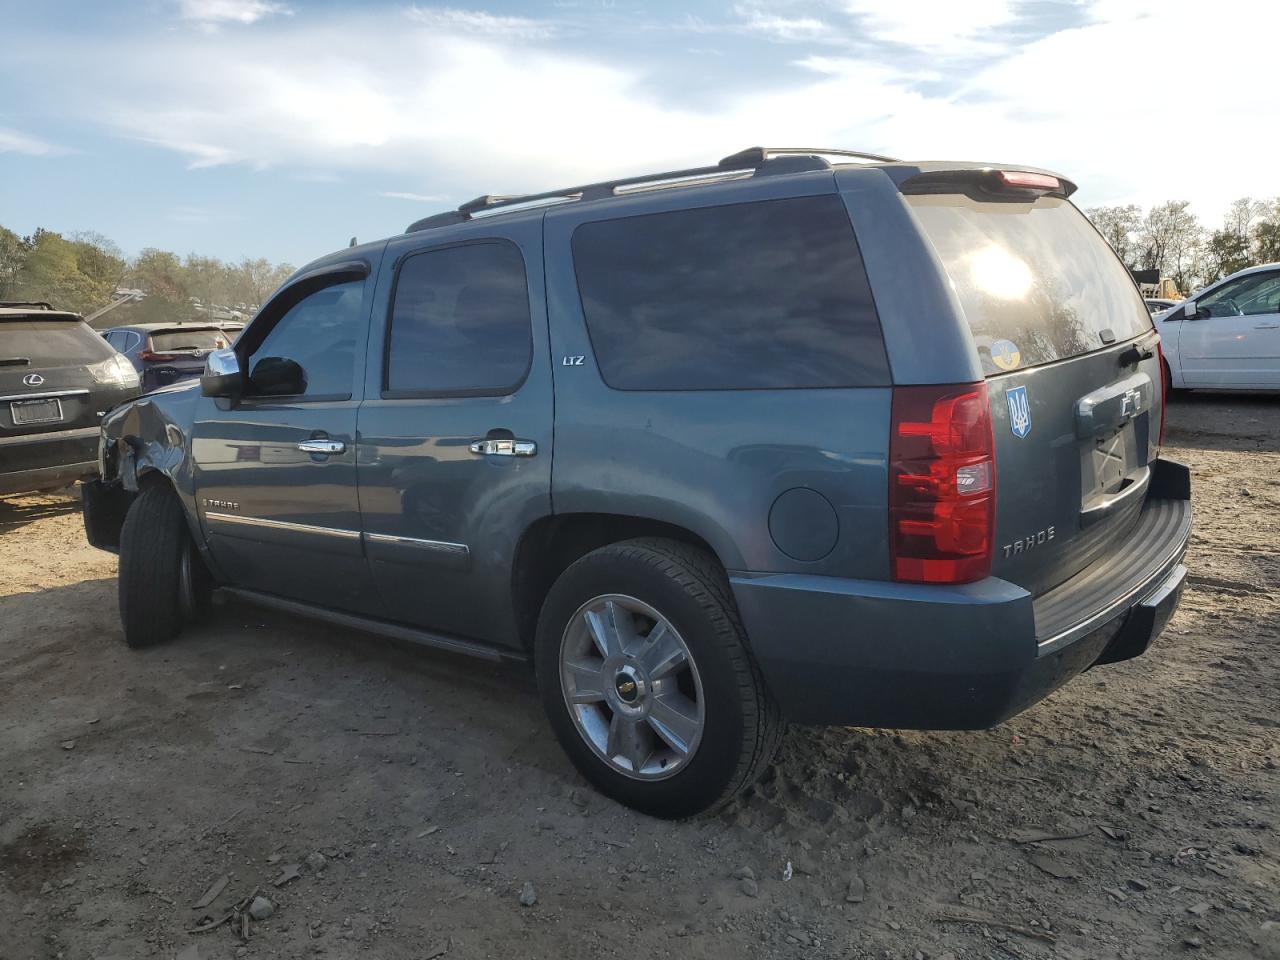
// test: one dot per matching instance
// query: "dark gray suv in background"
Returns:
(57, 379)
(805, 435)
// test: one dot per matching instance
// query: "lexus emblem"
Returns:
(33, 379)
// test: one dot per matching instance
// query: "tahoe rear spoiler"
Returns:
(989, 183)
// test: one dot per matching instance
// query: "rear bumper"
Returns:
(870, 653)
(44, 461)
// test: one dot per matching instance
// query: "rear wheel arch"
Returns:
(551, 544)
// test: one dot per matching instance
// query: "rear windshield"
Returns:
(50, 343)
(191, 339)
(1036, 281)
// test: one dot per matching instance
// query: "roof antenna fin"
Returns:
(352, 243)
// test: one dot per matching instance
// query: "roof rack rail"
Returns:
(754, 161)
(42, 304)
(761, 154)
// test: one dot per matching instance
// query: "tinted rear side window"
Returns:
(1036, 281)
(50, 343)
(460, 322)
(764, 295)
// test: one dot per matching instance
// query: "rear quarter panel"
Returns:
(925, 336)
(712, 462)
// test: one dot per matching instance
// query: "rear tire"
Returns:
(162, 580)
(679, 592)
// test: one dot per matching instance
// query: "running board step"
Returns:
(395, 631)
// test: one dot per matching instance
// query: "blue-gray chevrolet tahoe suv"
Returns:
(804, 435)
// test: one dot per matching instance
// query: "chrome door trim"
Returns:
(444, 547)
(46, 395)
(283, 525)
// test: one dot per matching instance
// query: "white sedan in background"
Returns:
(1226, 336)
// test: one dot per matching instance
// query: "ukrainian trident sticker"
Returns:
(1019, 411)
(1005, 354)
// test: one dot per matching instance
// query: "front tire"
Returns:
(162, 580)
(647, 680)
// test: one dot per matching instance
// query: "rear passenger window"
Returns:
(460, 323)
(766, 295)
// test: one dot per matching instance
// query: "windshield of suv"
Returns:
(191, 340)
(1035, 280)
(50, 343)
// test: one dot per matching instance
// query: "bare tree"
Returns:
(13, 258)
(258, 279)
(1243, 214)
(1170, 241)
(1266, 234)
(1120, 226)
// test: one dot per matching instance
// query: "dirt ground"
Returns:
(1133, 814)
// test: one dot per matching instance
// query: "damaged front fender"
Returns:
(150, 436)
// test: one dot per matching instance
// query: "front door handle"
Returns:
(504, 448)
(322, 446)
(1267, 326)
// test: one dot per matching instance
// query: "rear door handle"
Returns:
(504, 448)
(322, 446)
(1267, 326)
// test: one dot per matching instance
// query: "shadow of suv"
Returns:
(808, 436)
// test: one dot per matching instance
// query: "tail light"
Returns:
(147, 355)
(942, 484)
(1164, 394)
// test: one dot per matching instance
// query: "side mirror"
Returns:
(277, 377)
(1189, 311)
(222, 377)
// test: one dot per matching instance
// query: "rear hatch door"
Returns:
(47, 379)
(1073, 374)
(185, 348)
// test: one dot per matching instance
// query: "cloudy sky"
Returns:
(281, 128)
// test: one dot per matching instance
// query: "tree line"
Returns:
(81, 272)
(1170, 238)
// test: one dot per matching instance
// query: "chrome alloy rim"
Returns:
(631, 687)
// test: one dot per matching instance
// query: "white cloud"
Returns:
(498, 110)
(758, 20)
(230, 11)
(15, 141)
(454, 20)
(415, 197)
(948, 26)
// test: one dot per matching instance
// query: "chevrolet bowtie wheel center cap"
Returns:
(628, 685)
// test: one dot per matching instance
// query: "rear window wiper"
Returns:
(15, 361)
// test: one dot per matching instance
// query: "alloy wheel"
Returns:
(632, 687)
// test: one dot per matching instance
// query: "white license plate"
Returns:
(35, 411)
